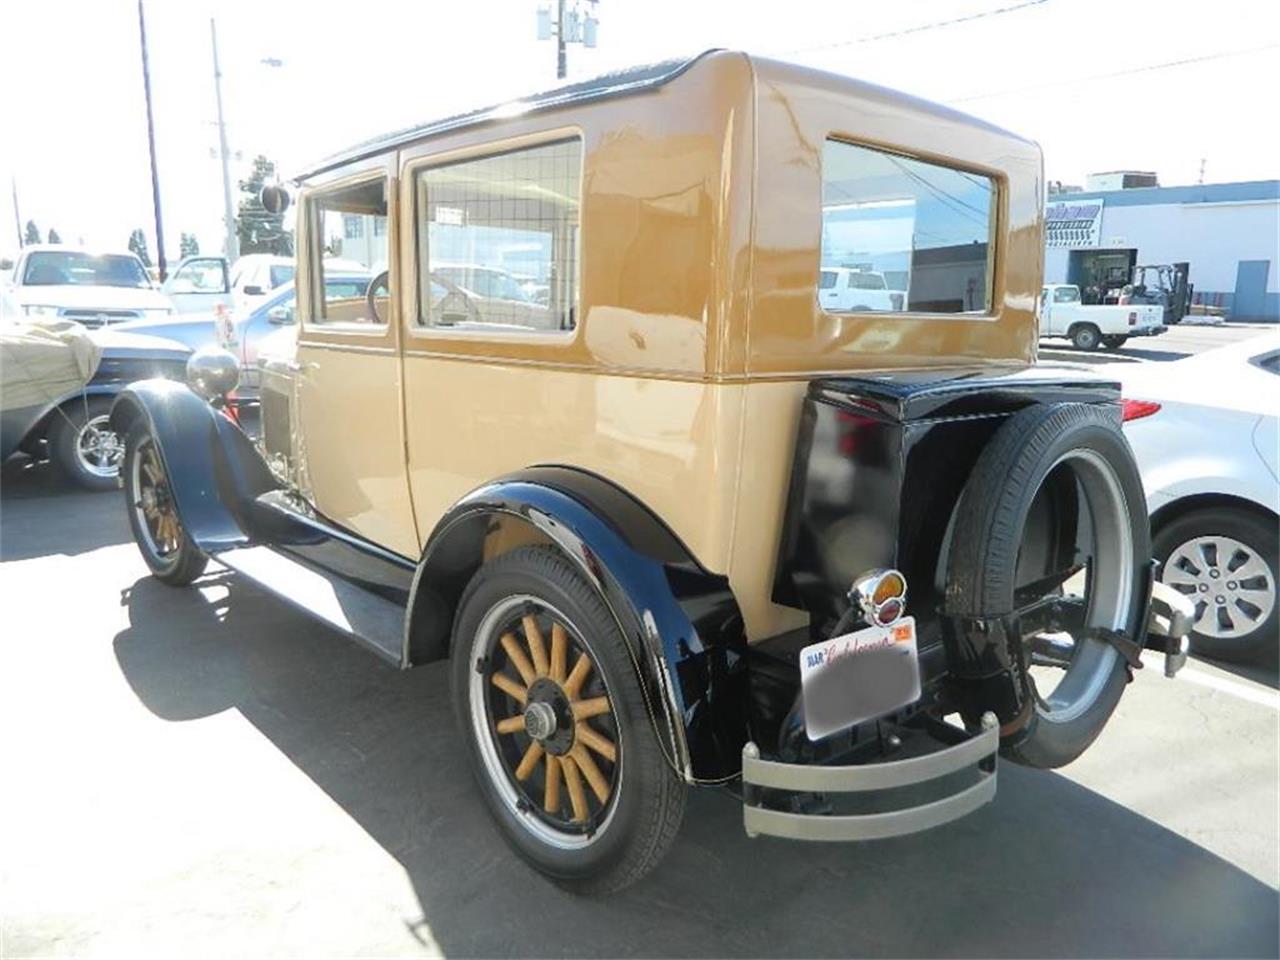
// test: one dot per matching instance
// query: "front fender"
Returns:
(214, 471)
(681, 622)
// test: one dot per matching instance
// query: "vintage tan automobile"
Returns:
(660, 508)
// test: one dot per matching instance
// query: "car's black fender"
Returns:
(214, 471)
(681, 622)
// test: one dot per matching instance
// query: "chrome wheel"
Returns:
(99, 449)
(1099, 588)
(1231, 584)
(545, 724)
(152, 502)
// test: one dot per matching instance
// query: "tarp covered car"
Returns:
(57, 381)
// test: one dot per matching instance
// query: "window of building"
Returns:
(917, 236)
(342, 243)
(498, 240)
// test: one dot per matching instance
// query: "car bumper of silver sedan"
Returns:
(764, 779)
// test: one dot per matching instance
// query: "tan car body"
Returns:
(698, 323)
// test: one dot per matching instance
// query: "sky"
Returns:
(1100, 84)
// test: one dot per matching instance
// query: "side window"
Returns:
(1066, 295)
(919, 235)
(345, 226)
(498, 240)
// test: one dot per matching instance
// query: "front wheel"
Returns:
(83, 444)
(1086, 337)
(561, 742)
(153, 513)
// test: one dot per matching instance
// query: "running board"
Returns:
(373, 620)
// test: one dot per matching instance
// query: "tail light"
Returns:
(896, 300)
(1133, 317)
(1137, 409)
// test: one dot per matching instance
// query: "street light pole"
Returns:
(17, 217)
(232, 242)
(151, 143)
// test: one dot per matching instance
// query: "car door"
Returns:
(350, 433)
(199, 285)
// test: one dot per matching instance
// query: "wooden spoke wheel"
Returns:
(153, 513)
(153, 500)
(551, 728)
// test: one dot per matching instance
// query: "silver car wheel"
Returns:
(99, 448)
(1232, 586)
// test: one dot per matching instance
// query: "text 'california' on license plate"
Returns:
(859, 676)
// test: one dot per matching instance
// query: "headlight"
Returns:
(39, 310)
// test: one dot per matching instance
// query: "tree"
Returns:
(33, 233)
(188, 245)
(53, 236)
(258, 230)
(138, 246)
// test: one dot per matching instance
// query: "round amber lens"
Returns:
(890, 587)
(889, 612)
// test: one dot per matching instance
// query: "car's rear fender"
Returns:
(214, 471)
(681, 623)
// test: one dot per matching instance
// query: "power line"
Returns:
(919, 28)
(1168, 64)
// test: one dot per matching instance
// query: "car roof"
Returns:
(616, 83)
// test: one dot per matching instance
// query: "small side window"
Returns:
(348, 236)
(498, 241)
(917, 236)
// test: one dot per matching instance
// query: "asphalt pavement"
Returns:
(208, 773)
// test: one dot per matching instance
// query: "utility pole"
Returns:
(151, 143)
(17, 218)
(228, 216)
(571, 26)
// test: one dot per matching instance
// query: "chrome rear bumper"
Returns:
(978, 752)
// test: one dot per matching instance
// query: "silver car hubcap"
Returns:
(1233, 588)
(98, 447)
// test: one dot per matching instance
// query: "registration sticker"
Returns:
(859, 676)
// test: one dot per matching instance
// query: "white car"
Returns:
(255, 275)
(843, 289)
(93, 289)
(1205, 431)
(199, 284)
(1089, 326)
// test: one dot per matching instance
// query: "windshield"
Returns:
(68, 267)
(280, 275)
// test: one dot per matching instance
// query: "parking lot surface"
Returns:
(209, 773)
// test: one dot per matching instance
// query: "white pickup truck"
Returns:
(841, 289)
(1088, 327)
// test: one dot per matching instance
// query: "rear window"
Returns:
(920, 229)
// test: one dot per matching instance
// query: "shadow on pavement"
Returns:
(42, 513)
(1049, 869)
(1266, 672)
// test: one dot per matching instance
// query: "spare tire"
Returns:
(1056, 487)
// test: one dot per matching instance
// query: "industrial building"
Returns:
(1229, 234)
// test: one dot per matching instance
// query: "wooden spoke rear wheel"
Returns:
(549, 718)
(562, 741)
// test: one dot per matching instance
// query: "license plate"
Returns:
(859, 676)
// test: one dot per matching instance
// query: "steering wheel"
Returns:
(379, 281)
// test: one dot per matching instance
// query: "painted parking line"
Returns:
(1234, 688)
